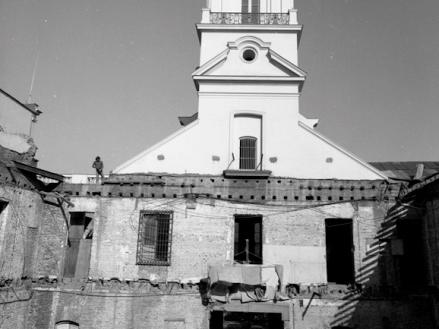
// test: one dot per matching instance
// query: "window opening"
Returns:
(3, 206)
(249, 55)
(66, 325)
(247, 153)
(78, 252)
(244, 320)
(250, 11)
(248, 239)
(339, 250)
(154, 241)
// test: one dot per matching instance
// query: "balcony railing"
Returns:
(250, 18)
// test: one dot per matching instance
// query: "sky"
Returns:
(112, 76)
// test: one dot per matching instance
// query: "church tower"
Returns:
(248, 122)
(249, 78)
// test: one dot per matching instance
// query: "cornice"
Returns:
(253, 79)
(202, 27)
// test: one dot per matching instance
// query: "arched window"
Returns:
(66, 324)
(247, 153)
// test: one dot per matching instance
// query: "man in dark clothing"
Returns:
(99, 166)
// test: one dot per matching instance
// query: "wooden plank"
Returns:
(38, 171)
(31, 237)
(83, 260)
(256, 308)
(71, 258)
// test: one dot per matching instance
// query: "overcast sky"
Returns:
(112, 76)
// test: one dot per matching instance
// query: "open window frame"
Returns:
(154, 238)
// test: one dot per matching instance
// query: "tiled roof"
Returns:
(407, 169)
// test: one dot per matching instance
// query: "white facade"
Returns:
(249, 85)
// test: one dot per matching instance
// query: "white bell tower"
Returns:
(249, 80)
(223, 20)
(248, 122)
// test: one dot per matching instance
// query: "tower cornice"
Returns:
(203, 27)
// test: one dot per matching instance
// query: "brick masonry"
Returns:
(118, 293)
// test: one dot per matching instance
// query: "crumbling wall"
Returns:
(31, 245)
(115, 310)
(21, 213)
(364, 314)
(121, 294)
(203, 230)
(32, 234)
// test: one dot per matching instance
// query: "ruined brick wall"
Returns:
(13, 314)
(119, 295)
(364, 314)
(289, 228)
(139, 305)
(32, 234)
(204, 236)
(93, 310)
(32, 237)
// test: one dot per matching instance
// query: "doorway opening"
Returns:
(241, 320)
(339, 250)
(412, 266)
(78, 252)
(248, 239)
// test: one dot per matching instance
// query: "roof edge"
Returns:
(346, 152)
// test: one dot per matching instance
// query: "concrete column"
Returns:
(293, 16)
(205, 15)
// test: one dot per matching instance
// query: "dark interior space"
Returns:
(248, 239)
(3, 205)
(413, 268)
(77, 260)
(240, 320)
(339, 250)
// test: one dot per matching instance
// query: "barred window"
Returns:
(247, 153)
(154, 241)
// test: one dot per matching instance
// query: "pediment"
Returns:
(266, 63)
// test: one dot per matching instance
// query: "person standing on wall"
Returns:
(99, 166)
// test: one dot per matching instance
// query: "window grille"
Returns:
(154, 241)
(247, 153)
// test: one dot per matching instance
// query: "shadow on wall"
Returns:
(391, 273)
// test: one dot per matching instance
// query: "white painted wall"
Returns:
(214, 42)
(289, 148)
(298, 151)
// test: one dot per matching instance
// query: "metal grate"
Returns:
(247, 153)
(155, 237)
(249, 18)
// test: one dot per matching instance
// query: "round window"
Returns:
(249, 55)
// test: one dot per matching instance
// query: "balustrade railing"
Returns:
(250, 18)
